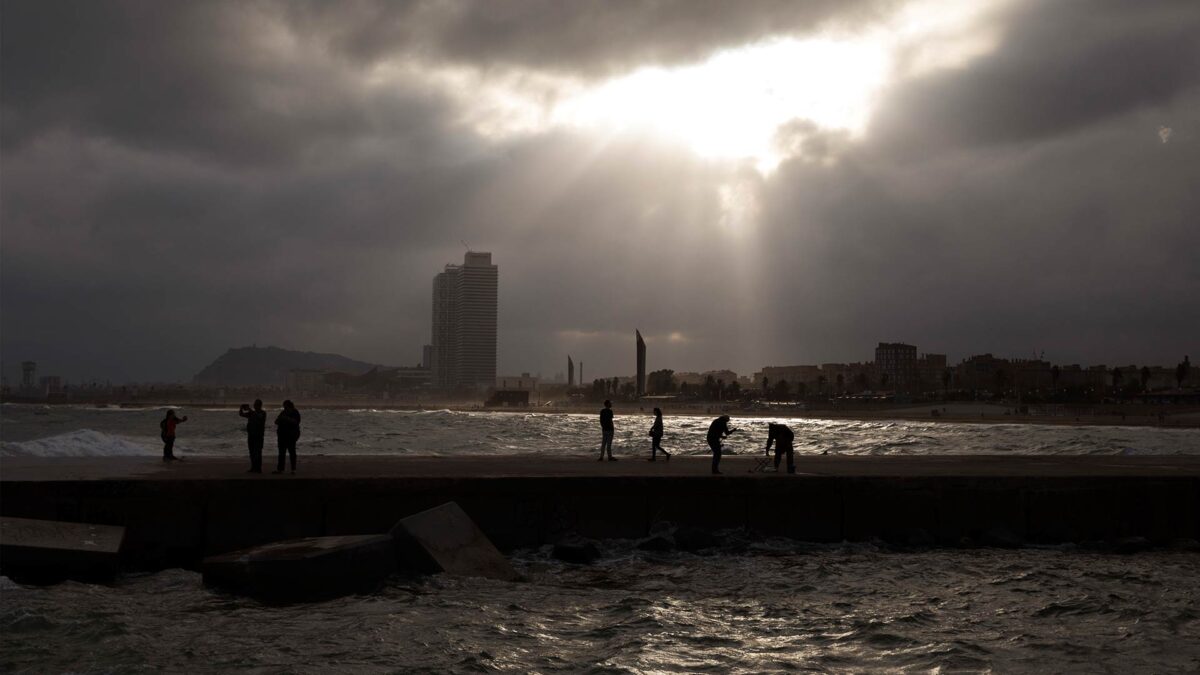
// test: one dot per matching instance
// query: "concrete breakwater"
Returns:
(176, 514)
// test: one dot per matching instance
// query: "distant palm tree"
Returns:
(947, 376)
(1181, 372)
(765, 382)
(841, 382)
(1055, 373)
(1145, 377)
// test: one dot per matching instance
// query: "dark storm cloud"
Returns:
(179, 178)
(1024, 203)
(586, 39)
(1062, 66)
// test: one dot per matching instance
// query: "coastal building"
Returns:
(28, 375)
(306, 380)
(641, 364)
(522, 382)
(897, 361)
(465, 308)
(570, 372)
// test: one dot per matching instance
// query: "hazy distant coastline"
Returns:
(949, 412)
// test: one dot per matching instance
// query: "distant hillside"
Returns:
(249, 366)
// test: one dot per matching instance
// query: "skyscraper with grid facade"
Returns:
(464, 323)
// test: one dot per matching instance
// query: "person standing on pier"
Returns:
(782, 436)
(656, 434)
(287, 428)
(607, 431)
(256, 428)
(168, 425)
(718, 430)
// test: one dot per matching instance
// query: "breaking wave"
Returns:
(79, 443)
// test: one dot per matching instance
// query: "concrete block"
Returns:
(445, 539)
(312, 568)
(45, 551)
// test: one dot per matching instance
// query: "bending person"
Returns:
(287, 428)
(782, 436)
(718, 430)
(656, 434)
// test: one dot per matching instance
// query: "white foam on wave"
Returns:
(80, 443)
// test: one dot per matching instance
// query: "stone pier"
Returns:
(175, 515)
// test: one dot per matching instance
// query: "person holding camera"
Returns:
(716, 431)
(167, 425)
(256, 429)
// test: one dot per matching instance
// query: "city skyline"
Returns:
(297, 191)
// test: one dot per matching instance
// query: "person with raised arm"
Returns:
(167, 425)
(256, 429)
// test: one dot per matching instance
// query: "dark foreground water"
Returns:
(761, 606)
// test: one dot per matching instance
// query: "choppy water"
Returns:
(767, 606)
(63, 431)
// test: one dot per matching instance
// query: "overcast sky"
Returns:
(748, 183)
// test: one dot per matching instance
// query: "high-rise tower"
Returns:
(641, 364)
(570, 371)
(464, 323)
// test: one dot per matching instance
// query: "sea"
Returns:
(749, 605)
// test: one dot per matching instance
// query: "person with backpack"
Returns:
(287, 429)
(656, 434)
(167, 425)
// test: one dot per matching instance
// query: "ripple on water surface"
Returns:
(776, 606)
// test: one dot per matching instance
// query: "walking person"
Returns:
(256, 429)
(782, 436)
(167, 425)
(287, 428)
(656, 434)
(718, 430)
(607, 431)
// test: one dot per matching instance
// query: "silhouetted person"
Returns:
(782, 436)
(716, 431)
(256, 428)
(167, 425)
(607, 430)
(287, 428)
(656, 434)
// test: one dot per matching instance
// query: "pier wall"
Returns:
(176, 522)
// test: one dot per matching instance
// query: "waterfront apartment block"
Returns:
(465, 307)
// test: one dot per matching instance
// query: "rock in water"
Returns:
(694, 539)
(576, 550)
(311, 568)
(445, 539)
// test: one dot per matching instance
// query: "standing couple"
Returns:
(287, 430)
(717, 431)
